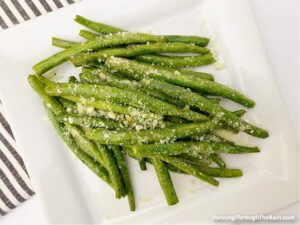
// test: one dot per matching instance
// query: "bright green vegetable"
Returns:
(112, 107)
(218, 160)
(117, 95)
(113, 170)
(219, 172)
(138, 70)
(187, 168)
(107, 29)
(101, 76)
(148, 150)
(95, 44)
(50, 102)
(177, 61)
(94, 166)
(96, 26)
(88, 121)
(86, 145)
(165, 181)
(202, 103)
(145, 136)
(142, 164)
(87, 34)
(73, 79)
(61, 43)
(121, 162)
(195, 159)
(136, 50)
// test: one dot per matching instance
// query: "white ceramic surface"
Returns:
(71, 194)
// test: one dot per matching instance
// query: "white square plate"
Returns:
(70, 193)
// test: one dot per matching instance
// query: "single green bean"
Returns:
(101, 28)
(125, 175)
(61, 43)
(95, 44)
(165, 181)
(152, 150)
(107, 29)
(136, 50)
(88, 121)
(187, 168)
(218, 160)
(195, 159)
(139, 70)
(145, 136)
(87, 34)
(113, 170)
(218, 172)
(176, 61)
(205, 105)
(136, 99)
(50, 102)
(113, 107)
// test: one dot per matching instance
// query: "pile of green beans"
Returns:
(132, 100)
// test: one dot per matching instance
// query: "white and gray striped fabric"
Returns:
(15, 186)
(13, 12)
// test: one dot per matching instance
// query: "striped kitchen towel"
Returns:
(15, 186)
(13, 12)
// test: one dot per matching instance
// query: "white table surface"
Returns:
(278, 22)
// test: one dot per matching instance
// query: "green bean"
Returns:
(79, 109)
(61, 43)
(138, 70)
(142, 164)
(202, 103)
(101, 76)
(96, 26)
(218, 172)
(177, 61)
(218, 160)
(87, 121)
(86, 145)
(136, 50)
(94, 166)
(214, 100)
(174, 169)
(200, 41)
(165, 181)
(50, 102)
(187, 168)
(73, 79)
(152, 150)
(175, 120)
(117, 95)
(211, 138)
(239, 113)
(113, 107)
(95, 44)
(107, 29)
(99, 153)
(87, 34)
(195, 159)
(113, 170)
(156, 135)
(125, 175)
